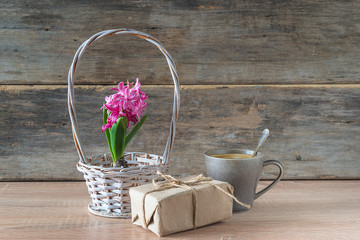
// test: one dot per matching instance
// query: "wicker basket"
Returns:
(107, 185)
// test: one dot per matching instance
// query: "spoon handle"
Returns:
(264, 136)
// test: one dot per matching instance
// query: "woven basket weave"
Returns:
(107, 185)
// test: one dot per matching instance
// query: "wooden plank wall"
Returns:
(290, 66)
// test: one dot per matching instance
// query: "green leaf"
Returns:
(133, 132)
(117, 138)
(107, 131)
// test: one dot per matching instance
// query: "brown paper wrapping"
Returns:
(172, 210)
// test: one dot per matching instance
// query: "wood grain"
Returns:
(319, 210)
(313, 128)
(222, 42)
(221, 48)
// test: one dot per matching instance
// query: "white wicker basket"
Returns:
(107, 185)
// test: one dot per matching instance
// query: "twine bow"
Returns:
(171, 182)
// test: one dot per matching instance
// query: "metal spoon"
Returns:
(264, 136)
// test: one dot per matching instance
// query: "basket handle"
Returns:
(80, 52)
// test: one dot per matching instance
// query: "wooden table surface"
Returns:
(292, 210)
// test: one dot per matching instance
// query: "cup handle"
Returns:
(281, 173)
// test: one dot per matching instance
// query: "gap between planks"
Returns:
(17, 87)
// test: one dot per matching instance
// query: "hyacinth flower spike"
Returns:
(119, 110)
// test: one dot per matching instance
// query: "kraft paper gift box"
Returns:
(172, 210)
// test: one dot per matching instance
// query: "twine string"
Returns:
(171, 182)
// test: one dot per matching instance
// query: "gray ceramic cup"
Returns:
(243, 174)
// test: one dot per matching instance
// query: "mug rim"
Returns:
(232, 150)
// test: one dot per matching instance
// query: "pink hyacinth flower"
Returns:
(128, 101)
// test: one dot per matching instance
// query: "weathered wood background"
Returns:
(292, 67)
